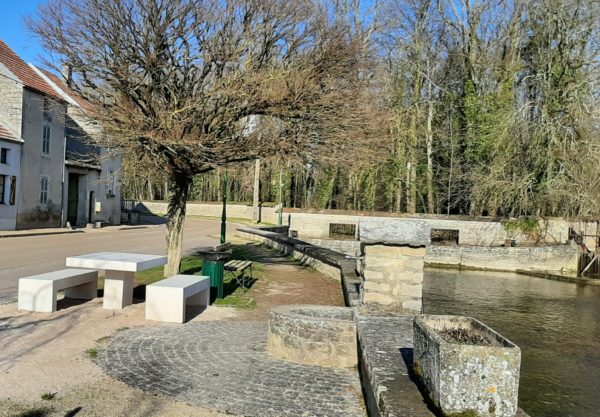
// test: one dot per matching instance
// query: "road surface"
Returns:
(24, 256)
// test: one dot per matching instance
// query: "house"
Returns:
(92, 189)
(10, 172)
(34, 113)
(53, 175)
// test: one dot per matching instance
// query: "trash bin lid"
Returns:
(210, 255)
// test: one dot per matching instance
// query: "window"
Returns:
(46, 139)
(110, 184)
(342, 231)
(44, 183)
(2, 188)
(3, 156)
(444, 237)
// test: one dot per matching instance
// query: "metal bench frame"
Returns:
(237, 269)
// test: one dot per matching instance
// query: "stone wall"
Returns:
(393, 277)
(11, 100)
(472, 231)
(349, 247)
(535, 258)
(239, 211)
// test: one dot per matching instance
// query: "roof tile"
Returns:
(24, 72)
(6, 133)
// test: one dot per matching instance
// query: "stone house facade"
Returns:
(37, 136)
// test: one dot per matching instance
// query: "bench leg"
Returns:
(118, 289)
(36, 295)
(87, 291)
(165, 304)
(200, 299)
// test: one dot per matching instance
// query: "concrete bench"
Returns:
(38, 292)
(166, 300)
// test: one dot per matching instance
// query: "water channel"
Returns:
(556, 324)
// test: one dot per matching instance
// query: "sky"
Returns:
(13, 31)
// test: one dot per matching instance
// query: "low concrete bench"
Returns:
(38, 292)
(166, 300)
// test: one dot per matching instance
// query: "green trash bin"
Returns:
(213, 266)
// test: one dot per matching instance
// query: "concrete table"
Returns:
(120, 273)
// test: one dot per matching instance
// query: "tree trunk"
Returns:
(429, 141)
(178, 194)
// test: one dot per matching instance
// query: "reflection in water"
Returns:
(556, 325)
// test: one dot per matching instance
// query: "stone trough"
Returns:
(466, 366)
(314, 335)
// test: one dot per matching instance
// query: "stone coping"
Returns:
(351, 281)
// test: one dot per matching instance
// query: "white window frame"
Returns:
(46, 134)
(44, 193)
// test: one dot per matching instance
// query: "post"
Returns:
(224, 213)
(280, 217)
(256, 208)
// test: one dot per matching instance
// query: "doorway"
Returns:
(92, 207)
(73, 199)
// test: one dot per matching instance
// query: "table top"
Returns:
(116, 261)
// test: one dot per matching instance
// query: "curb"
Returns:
(66, 232)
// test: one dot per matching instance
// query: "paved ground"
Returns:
(49, 353)
(224, 366)
(23, 256)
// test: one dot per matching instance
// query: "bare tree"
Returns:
(175, 82)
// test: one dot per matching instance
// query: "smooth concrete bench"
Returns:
(38, 292)
(166, 300)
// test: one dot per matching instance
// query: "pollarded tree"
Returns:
(179, 83)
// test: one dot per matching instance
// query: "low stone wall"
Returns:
(238, 211)
(333, 264)
(482, 231)
(534, 258)
(313, 335)
(349, 247)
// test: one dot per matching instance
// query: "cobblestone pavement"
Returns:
(223, 365)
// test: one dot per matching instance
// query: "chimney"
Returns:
(67, 73)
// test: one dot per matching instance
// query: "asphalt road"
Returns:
(24, 256)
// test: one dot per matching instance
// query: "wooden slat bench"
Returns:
(166, 300)
(38, 292)
(241, 271)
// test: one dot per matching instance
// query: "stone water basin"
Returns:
(314, 335)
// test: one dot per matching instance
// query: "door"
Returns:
(73, 199)
(92, 207)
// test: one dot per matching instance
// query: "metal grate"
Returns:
(342, 231)
(444, 237)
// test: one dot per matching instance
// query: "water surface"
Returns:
(556, 325)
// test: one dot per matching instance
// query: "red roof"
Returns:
(24, 72)
(6, 133)
(60, 83)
